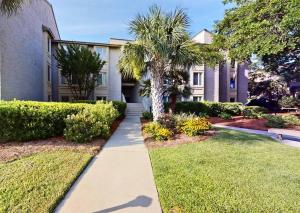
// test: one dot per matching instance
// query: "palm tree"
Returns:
(11, 6)
(161, 44)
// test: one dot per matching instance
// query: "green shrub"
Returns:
(291, 120)
(151, 128)
(119, 105)
(225, 116)
(275, 121)
(207, 108)
(27, 120)
(181, 118)
(254, 111)
(157, 131)
(91, 123)
(167, 121)
(288, 102)
(189, 108)
(195, 126)
(163, 134)
(147, 115)
(84, 127)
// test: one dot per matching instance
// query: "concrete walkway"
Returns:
(119, 179)
(287, 140)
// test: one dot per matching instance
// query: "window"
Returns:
(232, 99)
(65, 98)
(102, 51)
(197, 98)
(48, 44)
(49, 72)
(197, 78)
(102, 79)
(232, 83)
(101, 98)
(232, 63)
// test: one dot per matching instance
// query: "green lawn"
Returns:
(232, 172)
(38, 182)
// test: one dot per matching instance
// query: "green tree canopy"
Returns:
(260, 27)
(80, 67)
(161, 43)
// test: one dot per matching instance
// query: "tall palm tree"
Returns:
(161, 44)
(11, 6)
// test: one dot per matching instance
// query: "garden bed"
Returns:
(241, 122)
(176, 140)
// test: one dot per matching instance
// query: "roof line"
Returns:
(86, 43)
(46, 1)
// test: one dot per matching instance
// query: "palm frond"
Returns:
(10, 7)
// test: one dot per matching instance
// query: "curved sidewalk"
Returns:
(290, 141)
(119, 179)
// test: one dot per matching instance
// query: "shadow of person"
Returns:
(140, 201)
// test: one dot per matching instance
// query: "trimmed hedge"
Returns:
(207, 108)
(90, 123)
(28, 120)
(254, 111)
(119, 105)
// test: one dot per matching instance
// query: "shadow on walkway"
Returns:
(140, 201)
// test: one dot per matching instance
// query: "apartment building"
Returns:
(28, 68)
(25, 52)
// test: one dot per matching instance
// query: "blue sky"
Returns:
(99, 20)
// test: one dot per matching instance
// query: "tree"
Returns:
(11, 6)
(81, 68)
(260, 27)
(161, 42)
(175, 86)
(263, 84)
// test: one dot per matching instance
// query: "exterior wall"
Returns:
(115, 78)
(242, 83)
(23, 61)
(211, 84)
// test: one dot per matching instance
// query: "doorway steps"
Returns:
(134, 109)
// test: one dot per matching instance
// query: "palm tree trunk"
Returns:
(173, 99)
(157, 96)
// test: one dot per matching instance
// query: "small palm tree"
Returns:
(11, 6)
(161, 44)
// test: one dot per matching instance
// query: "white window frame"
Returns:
(198, 97)
(103, 54)
(104, 80)
(101, 98)
(200, 79)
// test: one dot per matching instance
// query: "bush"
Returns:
(291, 120)
(281, 121)
(225, 116)
(254, 111)
(167, 121)
(181, 118)
(189, 108)
(207, 108)
(163, 134)
(275, 121)
(195, 126)
(157, 131)
(91, 123)
(118, 105)
(288, 102)
(147, 116)
(27, 120)
(84, 127)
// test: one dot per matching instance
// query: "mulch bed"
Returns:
(240, 121)
(15, 150)
(177, 139)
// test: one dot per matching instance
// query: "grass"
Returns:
(232, 172)
(38, 182)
